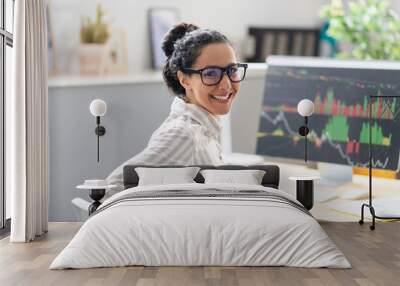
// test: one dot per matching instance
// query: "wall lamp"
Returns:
(305, 108)
(98, 108)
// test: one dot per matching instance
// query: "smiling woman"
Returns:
(202, 71)
(197, 61)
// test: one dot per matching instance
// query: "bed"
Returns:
(201, 224)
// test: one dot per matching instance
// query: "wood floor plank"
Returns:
(212, 272)
(375, 257)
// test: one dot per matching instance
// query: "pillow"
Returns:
(248, 177)
(162, 176)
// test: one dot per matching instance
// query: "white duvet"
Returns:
(200, 231)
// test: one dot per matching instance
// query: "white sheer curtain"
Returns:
(27, 124)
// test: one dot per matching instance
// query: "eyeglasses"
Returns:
(212, 75)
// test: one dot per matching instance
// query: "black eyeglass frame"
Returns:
(224, 71)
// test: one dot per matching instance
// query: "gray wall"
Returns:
(134, 112)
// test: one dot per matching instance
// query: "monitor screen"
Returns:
(339, 127)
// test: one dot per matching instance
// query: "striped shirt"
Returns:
(189, 136)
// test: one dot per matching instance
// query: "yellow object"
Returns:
(375, 172)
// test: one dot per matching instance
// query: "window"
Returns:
(6, 44)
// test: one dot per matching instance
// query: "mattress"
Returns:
(201, 225)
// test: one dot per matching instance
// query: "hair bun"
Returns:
(177, 32)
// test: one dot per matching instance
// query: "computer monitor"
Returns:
(339, 127)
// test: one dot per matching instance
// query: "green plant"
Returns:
(94, 31)
(370, 27)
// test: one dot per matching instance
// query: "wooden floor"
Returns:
(375, 257)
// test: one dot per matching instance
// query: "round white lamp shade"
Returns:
(98, 107)
(305, 107)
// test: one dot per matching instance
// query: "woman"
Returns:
(202, 71)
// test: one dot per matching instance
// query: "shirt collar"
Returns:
(199, 114)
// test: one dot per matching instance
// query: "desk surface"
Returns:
(331, 203)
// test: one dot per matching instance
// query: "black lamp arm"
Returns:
(303, 131)
(100, 131)
(305, 138)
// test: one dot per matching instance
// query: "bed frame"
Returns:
(270, 179)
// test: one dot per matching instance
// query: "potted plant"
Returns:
(94, 50)
(368, 29)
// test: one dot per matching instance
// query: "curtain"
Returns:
(27, 124)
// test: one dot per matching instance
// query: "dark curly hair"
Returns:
(182, 45)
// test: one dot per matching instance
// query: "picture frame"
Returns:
(160, 21)
(118, 51)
